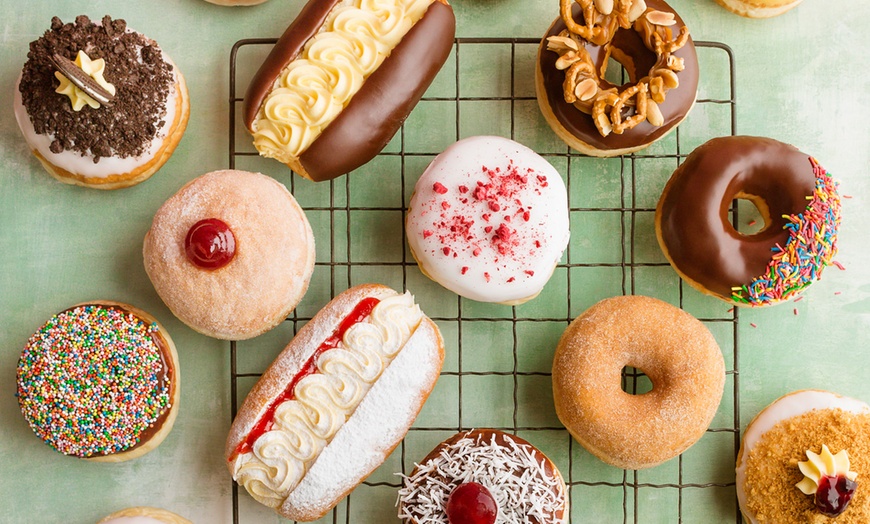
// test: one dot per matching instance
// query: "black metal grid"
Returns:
(633, 380)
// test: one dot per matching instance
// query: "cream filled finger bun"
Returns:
(758, 8)
(805, 458)
(231, 254)
(335, 402)
(488, 220)
(342, 79)
(125, 120)
(143, 515)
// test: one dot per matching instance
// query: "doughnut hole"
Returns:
(616, 73)
(753, 215)
(635, 381)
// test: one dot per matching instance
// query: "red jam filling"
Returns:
(834, 494)
(471, 503)
(210, 244)
(266, 422)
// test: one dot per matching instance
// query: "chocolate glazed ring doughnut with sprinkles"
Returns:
(797, 199)
(591, 114)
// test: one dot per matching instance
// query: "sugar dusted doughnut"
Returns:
(231, 254)
(335, 402)
(675, 350)
(791, 446)
(71, 369)
(342, 79)
(488, 220)
(799, 204)
(592, 115)
(143, 515)
(109, 145)
(758, 8)
(524, 484)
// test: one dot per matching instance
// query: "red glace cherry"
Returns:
(471, 503)
(210, 244)
(834, 494)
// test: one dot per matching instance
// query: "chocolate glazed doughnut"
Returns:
(797, 199)
(672, 63)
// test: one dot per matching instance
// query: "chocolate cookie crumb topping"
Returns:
(134, 65)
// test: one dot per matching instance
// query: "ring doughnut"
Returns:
(591, 114)
(675, 350)
(829, 432)
(796, 197)
(143, 515)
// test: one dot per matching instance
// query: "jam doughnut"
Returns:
(758, 8)
(796, 197)
(488, 220)
(100, 381)
(803, 458)
(675, 350)
(343, 78)
(143, 515)
(120, 130)
(649, 39)
(485, 466)
(231, 254)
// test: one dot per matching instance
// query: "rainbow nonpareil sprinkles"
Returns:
(91, 380)
(811, 246)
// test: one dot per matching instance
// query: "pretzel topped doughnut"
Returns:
(584, 84)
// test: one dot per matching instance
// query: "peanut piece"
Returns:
(661, 18)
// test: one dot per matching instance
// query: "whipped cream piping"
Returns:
(324, 401)
(824, 464)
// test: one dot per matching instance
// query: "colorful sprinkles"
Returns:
(91, 380)
(812, 245)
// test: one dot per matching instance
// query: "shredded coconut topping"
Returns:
(516, 474)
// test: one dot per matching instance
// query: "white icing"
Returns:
(785, 408)
(325, 400)
(514, 474)
(84, 165)
(525, 269)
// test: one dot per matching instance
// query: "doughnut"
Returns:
(675, 350)
(795, 196)
(336, 401)
(591, 114)
(758, 8)
(143, 515)
(343, 78)
(123, 127)
(804, 458)
(235, 3)
(231, 254)
(100, 381)
(488, 220)
(484, 476)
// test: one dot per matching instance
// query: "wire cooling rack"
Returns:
(497, 368)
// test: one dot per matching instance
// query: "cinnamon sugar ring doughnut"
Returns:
(143, 515)
(675, 350)
(798, 201)
(598, 118)
(100, 381)
(804, 458)
(510, 477)
(758, 8)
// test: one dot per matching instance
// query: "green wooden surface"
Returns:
(801, 78)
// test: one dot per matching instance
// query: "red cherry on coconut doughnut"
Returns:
(471, 503)
(210, 244)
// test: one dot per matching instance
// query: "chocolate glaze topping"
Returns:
(386, 98)
(692, 215)
(134, 65)
(677, 103)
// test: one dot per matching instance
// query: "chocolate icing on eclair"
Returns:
(692, 215)
(380, 107)
(637, 60)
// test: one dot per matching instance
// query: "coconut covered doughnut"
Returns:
(143, 515)
(484, 476)
(799, 204)
(231, 254)
(675, 350)
(100, 381)
(804, 458)
(125, 122)
(758, 8)
(591, 114)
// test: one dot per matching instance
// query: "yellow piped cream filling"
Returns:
(313, 89)
(92, 68)
(821, 465)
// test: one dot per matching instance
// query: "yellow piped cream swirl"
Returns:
(310, 93)
(821, 465)
(92, 68)
(325, 400)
